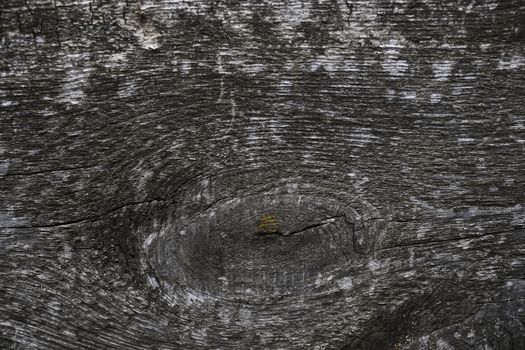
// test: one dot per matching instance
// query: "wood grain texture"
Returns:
(142, 143)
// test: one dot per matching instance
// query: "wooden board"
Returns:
(144, 143)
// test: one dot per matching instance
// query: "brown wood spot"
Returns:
(268, 224)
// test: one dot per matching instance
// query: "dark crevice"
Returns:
(322, 222)
(93, 218)
(100, 217)
(303, 229)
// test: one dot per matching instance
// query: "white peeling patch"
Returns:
(285, 85)
(152, 282)
(408, 95)
(185, 67)
(163, 232)
(421, 203)
(482, 163)
(194, 7)
(148, 38)
(454, 46)
(435, 98)
(395, 67)
(484, 47)
(224, 281)
(442, 69)
(464, 244)
(253, 68)
(320, 279)
(146, 4)
(245, 316)
(472, 212)
(148, 240)
(408, 274)
(514, 62)
(362, 135)
(374, 265)
(191, 298)
(358, 185)
(333, 61)
(67, 251)
(443, 345)
(76, 79)
(9, 103)
(116, 60)
(345, 283)
(143, 179)
(292, 188)
(315, 65)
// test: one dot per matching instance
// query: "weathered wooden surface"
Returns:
(143, 143)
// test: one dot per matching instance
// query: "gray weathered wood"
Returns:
(337, 174)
